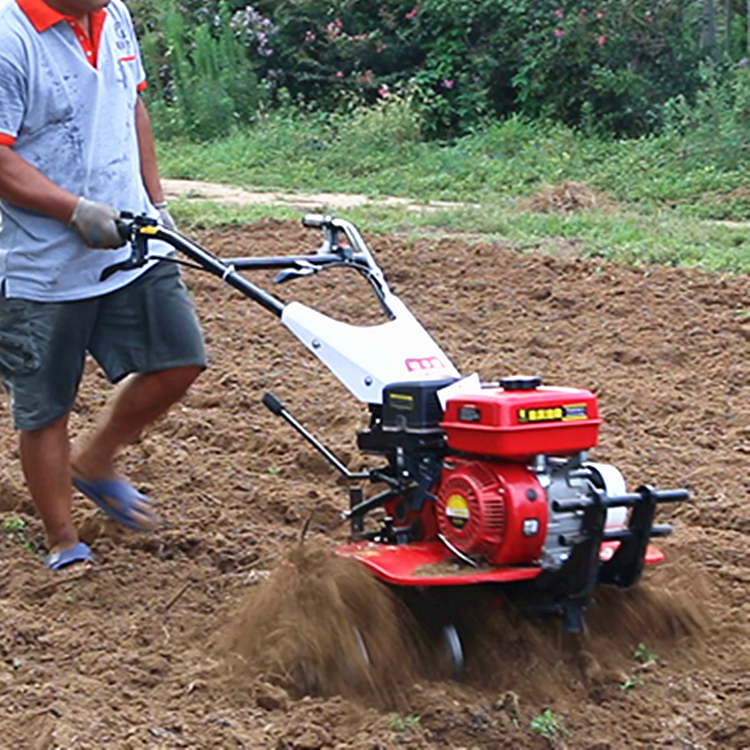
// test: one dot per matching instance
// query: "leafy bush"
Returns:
(606, 67)
(202, 80)
(716, 126)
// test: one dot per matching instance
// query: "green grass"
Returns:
(625, 237)
(675, 200)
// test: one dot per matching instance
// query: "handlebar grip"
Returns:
(315, 221)
(661, 530)
(273, 404)
(123, 228)
(671, 496)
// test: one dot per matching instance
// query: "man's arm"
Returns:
(147, 151)
(25, 186)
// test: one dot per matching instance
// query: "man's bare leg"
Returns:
(45, 458)
(141, 400)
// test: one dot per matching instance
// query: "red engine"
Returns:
(496, 511)
(495, 507)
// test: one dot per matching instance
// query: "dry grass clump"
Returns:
(568, 197)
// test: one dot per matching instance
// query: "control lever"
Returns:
(129, 231)
(301, 269)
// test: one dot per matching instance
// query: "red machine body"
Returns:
(501, 500)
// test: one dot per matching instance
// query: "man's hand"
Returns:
(96, 223)
(164, 216)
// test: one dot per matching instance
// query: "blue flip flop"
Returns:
(119, 500)
(77, 553)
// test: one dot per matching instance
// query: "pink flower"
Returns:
(380, 48)
(339, 74)
(412, 14)
(599, 14)
(383, 91)
(448, 83)
(334, 28)
(559, 13)
(649, 17)
(559, 33)
(602, 40)
(309, 36)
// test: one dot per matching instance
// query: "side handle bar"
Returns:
(139, 230)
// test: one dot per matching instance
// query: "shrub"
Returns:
(606, 67)
(715, 127)
(202, 81)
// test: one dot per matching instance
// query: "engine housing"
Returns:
(522, 419)
(497, 512)
(503, 513)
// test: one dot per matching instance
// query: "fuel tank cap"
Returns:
(520, 383)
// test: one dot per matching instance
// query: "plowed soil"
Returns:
(190, 637)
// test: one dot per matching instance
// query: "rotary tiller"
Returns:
(481, 484)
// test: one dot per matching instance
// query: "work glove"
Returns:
(97, 224)
(164, 216)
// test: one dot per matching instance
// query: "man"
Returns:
(75, 142)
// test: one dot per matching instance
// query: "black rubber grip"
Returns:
(671, 496)
(271, 402)
(661, 530)
(123, 228)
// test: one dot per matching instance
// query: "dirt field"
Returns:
(132, 653)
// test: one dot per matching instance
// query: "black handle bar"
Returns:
(628, 500)
(140, 229)
(353, 253)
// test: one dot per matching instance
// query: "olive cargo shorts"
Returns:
(146, 326)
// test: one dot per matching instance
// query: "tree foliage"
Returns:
(606, 66)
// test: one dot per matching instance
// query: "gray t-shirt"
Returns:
(67, 106)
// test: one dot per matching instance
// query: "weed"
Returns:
(642, 654)
(402, 723)
(13, 524)
(548, 725)
(634, 681)
(17, 531)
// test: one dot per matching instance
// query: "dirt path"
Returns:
(192, 190)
